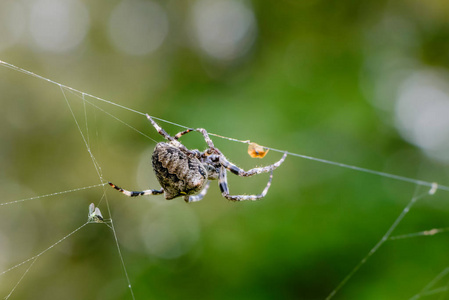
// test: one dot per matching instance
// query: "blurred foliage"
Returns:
(306, 85)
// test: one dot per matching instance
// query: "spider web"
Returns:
(81, 106)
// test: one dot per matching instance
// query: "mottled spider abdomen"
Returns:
(178, 172)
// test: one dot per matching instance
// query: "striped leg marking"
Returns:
(136, 193)
(223, 182)
(179, 134)
(240, 172)
(196, 198)
(200, 130)
(159, 128)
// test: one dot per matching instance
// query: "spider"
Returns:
(186, 173)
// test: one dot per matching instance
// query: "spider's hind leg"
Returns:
(196, 198)
(136, 193)
(240, 172)
(223, 182)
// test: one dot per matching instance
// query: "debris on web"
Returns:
(256, 150)
(94, 215)
(433, 188)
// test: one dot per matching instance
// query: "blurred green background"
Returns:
(358, 82)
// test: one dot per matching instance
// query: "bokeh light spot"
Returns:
(223, 30)
(170, 230)
(58, 25)
(12, 22)
(422, 111)
(138, 27)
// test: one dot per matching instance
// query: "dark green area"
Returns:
(308, 85)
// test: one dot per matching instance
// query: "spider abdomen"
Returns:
(178, 172)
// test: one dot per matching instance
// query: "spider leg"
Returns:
(200, 130)
(196, 198)
(223, 183)
(136, 193)
(206, 137)
(240, 172)
(159, 128)
(179, 134)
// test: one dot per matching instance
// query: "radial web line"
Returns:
(433, 292)
(100, 175)
(42, 252)
(94, 160)
(385, 237)
(114, 117)
(18, 69)
(119, 251)
(20, 280)
(342, 165)
(85, 120)
(54, 194)
(429, 232)
(427, 289)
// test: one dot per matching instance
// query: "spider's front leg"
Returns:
(159, 128)
(240, 172)
(136, 193)
(179, 134)
(200, 130)
(223, 183)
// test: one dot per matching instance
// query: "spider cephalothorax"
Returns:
(184, 172)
